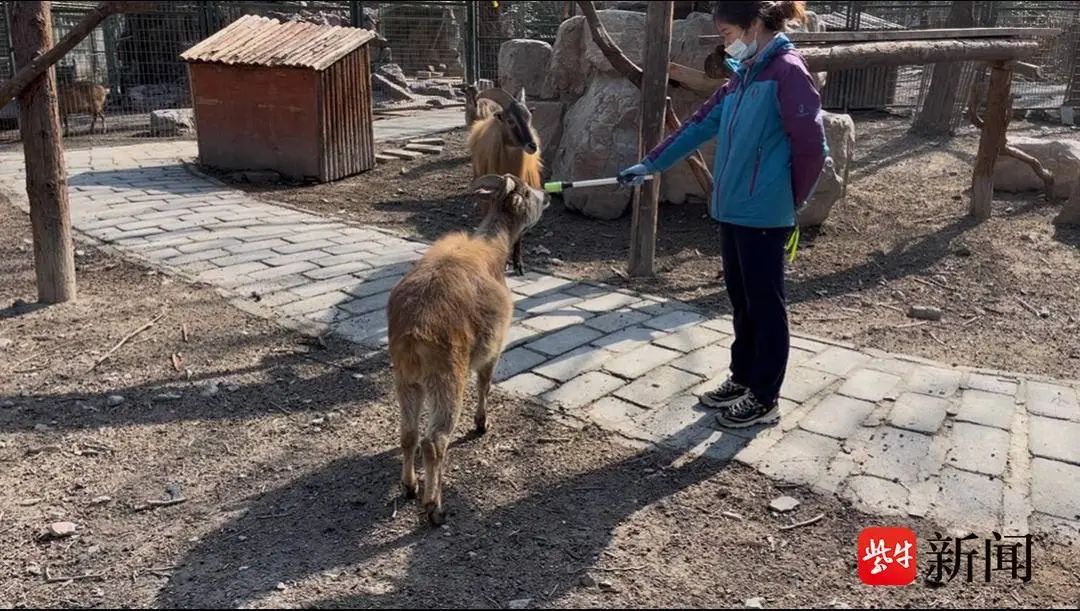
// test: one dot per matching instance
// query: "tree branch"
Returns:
(631, 71)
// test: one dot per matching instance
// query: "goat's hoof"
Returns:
(435, 515)
(481, 426)
(409, 491)
(519, 270)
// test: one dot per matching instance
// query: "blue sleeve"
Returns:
(701, 127)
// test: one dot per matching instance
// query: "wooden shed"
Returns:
(293, 97)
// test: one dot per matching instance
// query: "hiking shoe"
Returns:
(748, 411)
(728, 393)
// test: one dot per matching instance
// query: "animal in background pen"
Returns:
(82, 97)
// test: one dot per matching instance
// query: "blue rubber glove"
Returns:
(633, 175)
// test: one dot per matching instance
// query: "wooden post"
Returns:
(653, 108)
(46, 176)
(992, 140)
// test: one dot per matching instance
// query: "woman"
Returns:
(770, 151)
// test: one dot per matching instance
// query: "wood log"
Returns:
(904, 53)
(653, 109)
(630, 70)
(935, 116)
(694, 79)
(46, 176)
(11, 87)
(992, 140)
(974, 101)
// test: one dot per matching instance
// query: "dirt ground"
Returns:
(286, 455)
(900, 238)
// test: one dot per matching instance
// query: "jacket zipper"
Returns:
(753, 177)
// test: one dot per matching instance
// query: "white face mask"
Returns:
(740, 50)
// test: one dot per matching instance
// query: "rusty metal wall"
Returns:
(258, 118)
(347, 143)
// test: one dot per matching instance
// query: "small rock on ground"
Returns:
(521, 603)
(755, 603)
(925, 312)
(783, 504)
(114, 400)
(59, 530)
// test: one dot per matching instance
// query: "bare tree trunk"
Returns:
(935, 116)
(46, 178)
(653, 108)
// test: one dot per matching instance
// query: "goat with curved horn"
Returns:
(504, 141)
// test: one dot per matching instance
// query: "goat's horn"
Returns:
(498, 96)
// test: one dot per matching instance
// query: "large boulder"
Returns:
(393, 73)
(600, 135)
(524, 63)
(1070, 213)
(547, 118)
(1062, 157)
(172, 121)
(567, 73)
(840, 135)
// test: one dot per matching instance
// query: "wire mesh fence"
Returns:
(438, 44)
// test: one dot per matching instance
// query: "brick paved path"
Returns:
(896, 435)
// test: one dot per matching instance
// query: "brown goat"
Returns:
(447, 317)
(82, 96)
(502, 140)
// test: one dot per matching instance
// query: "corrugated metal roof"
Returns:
(260, 41)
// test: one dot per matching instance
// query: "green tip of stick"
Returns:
(553, 187)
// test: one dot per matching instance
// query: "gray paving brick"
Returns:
(799, 457)
(257, 246)
(546, 302)
(364, 329)
(613, 321)
(987, 408)
(640, 361)
(313, 304)
(140, 224)
(804, 343)
(282, 271)
(528, 384)
(980, 449)
(573, 363)
(519, 334)
(291, 246)
(392, 259)
(1052, 400)
(896, 455)
(270, 285)
(1056, 439)
(681, 423)
(801, 383)
(364, 287)
(934, 381)
(837, 416)
(553, 322)
(340, 283)
(657, 386)
(513, 362)
(586, 291)
(564, 340)
(871, 385)
(874, 495)
(583, 390)
(273, 300)
(970, 502)
(690, 339)
(306, 256)
(994, 384)
(1055, 488)
(627, 339)
(312, 236)
(364, 305)
(161, 254)
(918, 412)
(613, 414)
(199, 245)
(708, 362)
(607, 303)
(195, 257)
(542, 284)
(675, 321)
(721, 325)
(838, 361)
(231, 275)
(328, 315)
(349, 249)
(257, 255)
